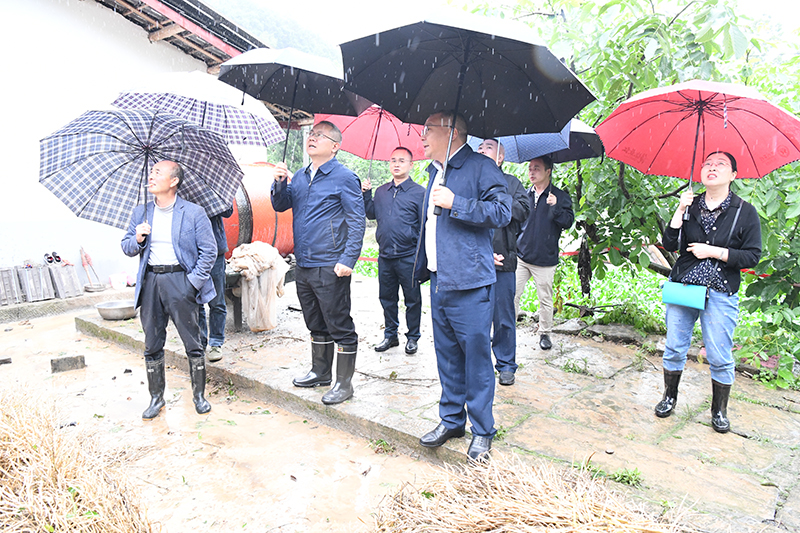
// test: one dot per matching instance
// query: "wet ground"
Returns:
(584, 400)
(245, 466)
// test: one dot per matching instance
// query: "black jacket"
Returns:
(505, 239)
(744, 248)
(398, 210)
(538, 242)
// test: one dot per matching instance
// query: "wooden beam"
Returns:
(165, 32)
(193, 46)
(192, 27)
(132, 9)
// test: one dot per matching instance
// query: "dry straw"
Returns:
(508, 495)
(57, 477)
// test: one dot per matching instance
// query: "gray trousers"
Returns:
(165, 296)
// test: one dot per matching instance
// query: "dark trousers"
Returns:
(461, 323)
(504, 324)
(213, 332)
(165, 296)
(392, 275)
(325, 300)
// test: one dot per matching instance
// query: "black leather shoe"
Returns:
(440, 435)
(386, 344)
(506, 378)
(544, 341)
(411, 347)
(479, 448)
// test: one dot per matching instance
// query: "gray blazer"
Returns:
(192, 240)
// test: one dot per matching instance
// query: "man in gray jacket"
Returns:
(176, 249)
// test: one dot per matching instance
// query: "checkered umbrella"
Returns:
(203, 100)
(98, 164)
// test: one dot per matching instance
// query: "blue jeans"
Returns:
(217, 310)
(392, 275)
(504, 323)
(461, 323)
(717, 321)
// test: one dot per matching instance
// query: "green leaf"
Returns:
(614, 257)
(793, 211)
(644, 260)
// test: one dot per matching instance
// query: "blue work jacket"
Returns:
(327, 214)
(464, 232)
(398, 210)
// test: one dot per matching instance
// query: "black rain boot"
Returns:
(345, 368)
(719, 406)
(197, 371)
(670, 399)
(156, 381)
(321, 363)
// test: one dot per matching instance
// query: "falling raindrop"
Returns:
(377, 39)
(394, 88)
(402, 77)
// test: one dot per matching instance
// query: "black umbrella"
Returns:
(293, 79)
(489, 70)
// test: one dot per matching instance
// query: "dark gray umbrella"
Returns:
(98, 164)
(293, 79)
(489, 70)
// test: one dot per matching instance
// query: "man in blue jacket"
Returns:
(537, 245)
(398, 209)
(176, 249)
(328, 223)
(455, 252)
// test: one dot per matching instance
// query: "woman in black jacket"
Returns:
(709, 258)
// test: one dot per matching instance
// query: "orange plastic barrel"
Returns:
(253, 218)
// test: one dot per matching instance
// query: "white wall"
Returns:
(63, 57)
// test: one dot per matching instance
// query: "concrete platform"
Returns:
(583, 401)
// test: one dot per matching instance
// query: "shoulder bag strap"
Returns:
(733, 226)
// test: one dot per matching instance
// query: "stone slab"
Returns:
(67, 363)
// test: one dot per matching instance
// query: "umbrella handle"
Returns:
(437, 210)
(686, 215)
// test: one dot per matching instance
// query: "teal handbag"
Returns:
(693, 296)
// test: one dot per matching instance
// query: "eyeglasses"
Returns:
(709, 164)
(317, 134)
(426, 129)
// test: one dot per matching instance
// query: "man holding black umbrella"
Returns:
(328, 225)
(455, 252)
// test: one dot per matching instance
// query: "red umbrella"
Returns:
(669, 131)
(375, 133)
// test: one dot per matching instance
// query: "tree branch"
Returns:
(680, 13)
(675, 192)
(621, 181)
